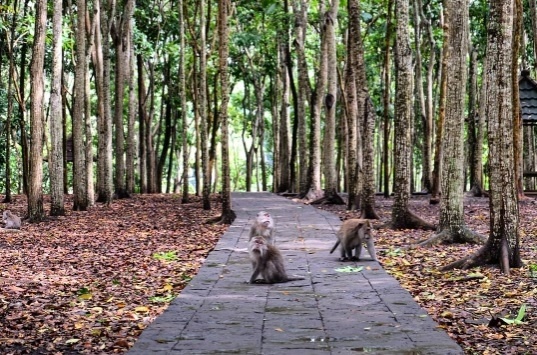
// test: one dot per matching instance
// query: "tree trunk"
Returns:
(437, 170)
(402, 218)
(314, 171)
(351, 103)
(517, 119)
(228, 215)
(476, 186)
(104, 122)
(37, 120)
(386, 69)
(80, 195)
(204, 117)
(182, 109)
(330, 101)
(452, 228)
(130, 155)
(301, 20)
(56, 128)
(120, 35)
(502, 246)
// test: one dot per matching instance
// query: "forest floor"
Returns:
(90, 282)
(468, 304)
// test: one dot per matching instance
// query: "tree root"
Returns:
(413, 221)
(329, 199)
(446, 236)
(479, 258)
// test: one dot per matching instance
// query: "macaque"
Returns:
(263, 226)
(352, 234)
(267, 261)
(11, 220)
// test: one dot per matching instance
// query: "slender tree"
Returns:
(452, 228)
(56, 128)
(402, 217)
(37, 119)
(330, 102)
(228, 215)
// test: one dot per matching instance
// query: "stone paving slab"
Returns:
(329, 312)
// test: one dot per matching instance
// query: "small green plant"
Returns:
(162, 299)
(519, 317)
(533, 270)
(395, 252)
(166, 255)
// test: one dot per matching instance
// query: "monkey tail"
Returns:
(334, 247)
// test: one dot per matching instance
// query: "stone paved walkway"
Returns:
(329, 312)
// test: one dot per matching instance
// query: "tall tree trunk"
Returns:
(402, 217)
(314, 171)
(204, 117)
(37, 120)
(223, 6)
(285, 151)
(104, 122)
(437, 170)
(56, 129)
(182, 109)
(80, 196)
(421, 116)
(386, 69)
(351, 132)
(330, 101)
(142, 113)
(120, 36)
(517, 119)
(301, 20)
(475, 175)
(429, 104)
(130, 155)
(503, 244)
(452, 228)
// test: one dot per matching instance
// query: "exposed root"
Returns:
(446, 236)
(412, 221)
(479, 258)
(369, 212)
(329, 198)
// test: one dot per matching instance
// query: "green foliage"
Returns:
(166, 255)
(519, 317)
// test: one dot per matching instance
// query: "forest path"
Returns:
(330, 312)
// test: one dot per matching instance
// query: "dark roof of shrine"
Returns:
(527, 88)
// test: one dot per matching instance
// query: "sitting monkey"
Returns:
(11, 220)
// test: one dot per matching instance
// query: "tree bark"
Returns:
(228, 215)
(502, 246)
(56, 128)
(451, 227)
(402, 217)
(37, 120)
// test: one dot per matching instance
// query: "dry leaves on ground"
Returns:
(468, 304)
(90, 282)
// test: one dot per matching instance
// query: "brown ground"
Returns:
(466, 304)
(90, 282)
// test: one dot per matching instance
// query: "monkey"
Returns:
(11, 220)
(263, 226)
(351, 235)
(267, 261)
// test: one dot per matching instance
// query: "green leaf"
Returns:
(350, 269)
(519, 317)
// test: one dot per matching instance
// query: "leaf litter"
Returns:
(485, 311)
(90, 282)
